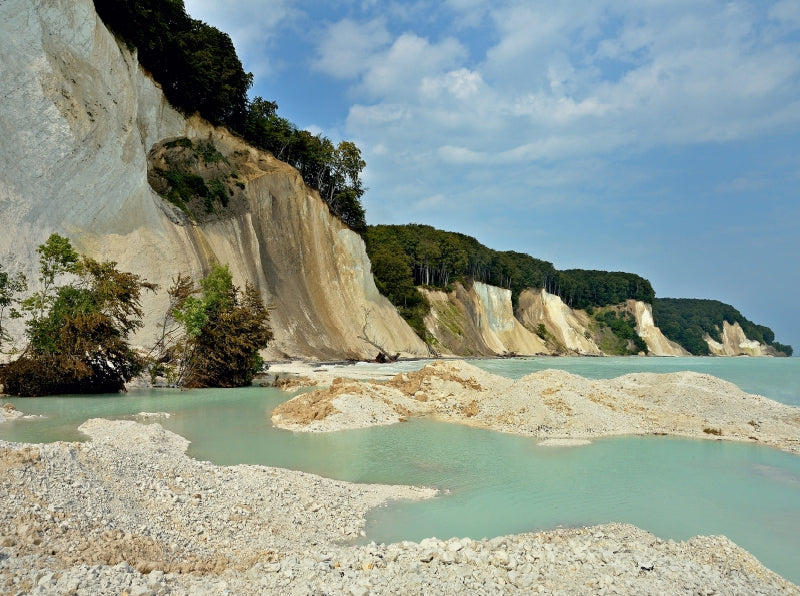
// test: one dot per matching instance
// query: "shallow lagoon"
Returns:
(494, 483)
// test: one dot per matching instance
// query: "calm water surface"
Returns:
(493, 483)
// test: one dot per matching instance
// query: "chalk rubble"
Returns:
(129, 512)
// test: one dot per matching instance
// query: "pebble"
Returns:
(102, 518)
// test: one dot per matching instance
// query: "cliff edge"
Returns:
(79, 118)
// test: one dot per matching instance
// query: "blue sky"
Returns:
(654, 136)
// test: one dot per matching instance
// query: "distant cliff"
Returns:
(481, 321)
(713, 327)
(478, 322)
(79, 118)
(447, 285)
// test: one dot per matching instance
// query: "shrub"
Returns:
(223, 331)
(78, 332)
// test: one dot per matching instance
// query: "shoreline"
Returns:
(128, 510)
(550, 404)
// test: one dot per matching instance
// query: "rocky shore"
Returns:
(129, 512)
(9, 412)
(551, 404)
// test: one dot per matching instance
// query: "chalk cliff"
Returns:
(657, 343)
(735, 343)
(567, 328)
(79, 117)
(478, 322)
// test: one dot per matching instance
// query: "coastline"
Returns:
(550, 404)
(129, 511)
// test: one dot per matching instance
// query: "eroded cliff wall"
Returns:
(567, 328)
(657, 343)
(735, 343)
(78, 119)
(478, 322)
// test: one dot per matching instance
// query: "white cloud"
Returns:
(399, 71)
(347, 48)
(383, 67)
(461, 84)
(546, 109)
(461, 155)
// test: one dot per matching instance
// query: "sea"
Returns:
(493, 483)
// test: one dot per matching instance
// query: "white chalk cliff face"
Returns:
(478, 322)
(78, 119)
(498, 324)
(657, 343)
(735, 343)
(566, 326)
(481, 322)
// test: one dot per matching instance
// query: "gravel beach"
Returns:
(129, 513)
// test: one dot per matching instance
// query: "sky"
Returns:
(659, 137)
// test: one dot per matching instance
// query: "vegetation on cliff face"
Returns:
(199, 71)
(687, 321)
(78, 326)
(196, 178)
(615, 331)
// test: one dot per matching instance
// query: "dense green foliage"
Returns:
(77, 331)
(223, 331)
(580, 288)
(688, 320)
(410, 255)
(195, 63)
(199, 71)
(394, 278)
(623, 339)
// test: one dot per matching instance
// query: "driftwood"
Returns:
(383, 354)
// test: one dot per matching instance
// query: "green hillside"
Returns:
(688, 320)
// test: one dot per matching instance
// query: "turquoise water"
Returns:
(495, 483)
